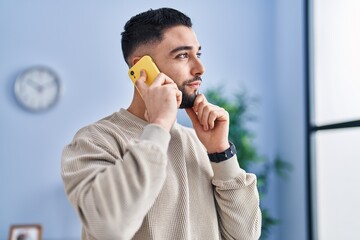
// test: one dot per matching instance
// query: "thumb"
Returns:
(140, 82)
(193, 117)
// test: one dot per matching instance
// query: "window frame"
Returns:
(311, 128)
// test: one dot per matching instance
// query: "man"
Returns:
(138, 174)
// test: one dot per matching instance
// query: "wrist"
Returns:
(224, 155)
(219, 148)
(163, 124)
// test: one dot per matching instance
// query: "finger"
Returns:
(222, 114)
(199, 110)
(200, 98)
(178, 98)
(212, 118)
(204, 118)
(162, 79)
(168, 81)
(140, 83)
(193, 117)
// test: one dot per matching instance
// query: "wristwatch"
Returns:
(222, 156)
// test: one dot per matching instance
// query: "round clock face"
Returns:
(37, 88)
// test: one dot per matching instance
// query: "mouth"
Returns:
(194, 84)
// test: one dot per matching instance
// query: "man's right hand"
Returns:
(162, 99)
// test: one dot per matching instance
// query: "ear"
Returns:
(135, 59)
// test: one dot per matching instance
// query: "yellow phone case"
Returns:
(146, 63)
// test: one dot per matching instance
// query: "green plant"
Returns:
(248, 156)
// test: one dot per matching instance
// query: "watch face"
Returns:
(37, 88)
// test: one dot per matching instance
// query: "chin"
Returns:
(188, 100)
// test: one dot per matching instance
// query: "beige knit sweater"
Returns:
(128, 179)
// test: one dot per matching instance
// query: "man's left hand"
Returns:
(211, 124)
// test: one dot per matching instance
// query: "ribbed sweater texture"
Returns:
(128, 179)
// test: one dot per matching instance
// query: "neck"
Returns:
(137, 106)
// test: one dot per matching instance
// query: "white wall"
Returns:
(254, 44)
(290, 101)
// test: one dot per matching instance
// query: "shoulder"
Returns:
(104, 134)
(113, 132)
(101, 127)
(119, 124)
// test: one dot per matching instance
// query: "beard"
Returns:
(188, 99)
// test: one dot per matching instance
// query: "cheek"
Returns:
(178, 78)
(176, 73)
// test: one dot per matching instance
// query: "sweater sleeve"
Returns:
(237, 201)
(112, 192)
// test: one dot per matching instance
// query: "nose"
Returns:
(198, 68)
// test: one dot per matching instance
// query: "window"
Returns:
(333, 86)
(336, 58)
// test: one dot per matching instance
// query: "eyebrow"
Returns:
(181, 48)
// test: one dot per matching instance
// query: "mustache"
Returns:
(197, 78)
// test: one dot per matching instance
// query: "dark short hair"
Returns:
(148, 27)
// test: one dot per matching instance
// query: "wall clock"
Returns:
(37, 88)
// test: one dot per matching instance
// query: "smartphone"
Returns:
(146, 63)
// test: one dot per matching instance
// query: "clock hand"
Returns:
(33, 84)
(38, 87)
(48, 84)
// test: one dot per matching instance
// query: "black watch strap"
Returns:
(227, 154)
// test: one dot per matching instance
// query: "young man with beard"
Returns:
(138, 174)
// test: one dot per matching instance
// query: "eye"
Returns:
(182, 55)
(198, 54)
